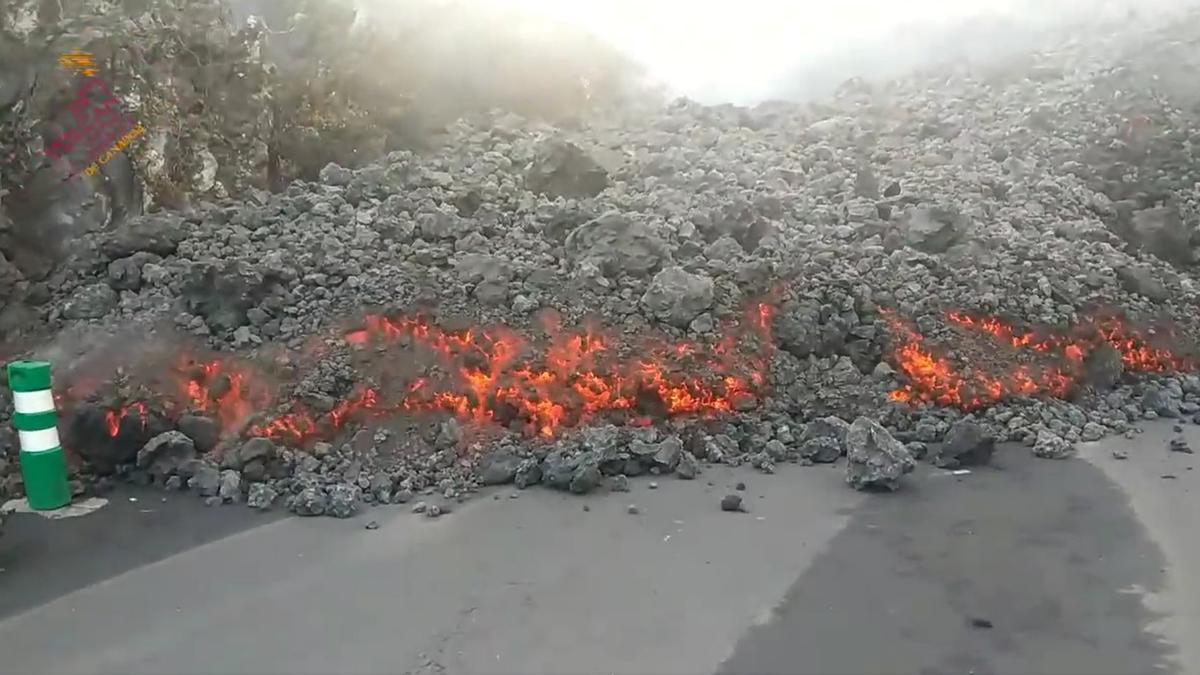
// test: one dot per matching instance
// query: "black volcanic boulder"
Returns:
(562, 169)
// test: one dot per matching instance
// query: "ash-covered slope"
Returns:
(1042, 192)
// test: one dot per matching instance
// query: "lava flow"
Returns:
(1058, 370)
(497, 376)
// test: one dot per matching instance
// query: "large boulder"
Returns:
(164, 454)
(90, 302)
(562, 169)
(824, 439)
(617, 244)
(676, 296)
(874, 459)
(934, 229)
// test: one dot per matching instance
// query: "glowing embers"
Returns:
(494, 375)
(1056, 366)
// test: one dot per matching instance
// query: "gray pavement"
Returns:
(1077, 566)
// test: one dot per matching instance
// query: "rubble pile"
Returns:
(908, 272)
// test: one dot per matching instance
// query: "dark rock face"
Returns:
(562, 169)
(966, 444)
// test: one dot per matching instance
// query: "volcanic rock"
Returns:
(731, 503)
(966, 444)
(164, 454)
(587, 477)
(1180, 445)
(677, 297)
(824, 439)
(529, 472)
(344, 501)
(230, 489)
(616, 244)
(688, 467)
(204, 431)
(668, 453)
(1140, 279)
(934, 229)
(254, 472)
(260, 450)
(1052, 446)
(310, 501)
(1160, 401)
(125, 274)
(1103, 367)
(261, 496)
(498, 468)
(874, 459)
(1093, 432)
(90, 302)
(158, 233)
(205, 479)
(223, 293)
(562, 169)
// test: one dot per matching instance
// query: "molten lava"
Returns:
(497, 376)
(934, 379)
(114, 418)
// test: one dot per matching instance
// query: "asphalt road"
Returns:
(1029, 566)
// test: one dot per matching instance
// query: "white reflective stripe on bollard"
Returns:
(33, 401)
(39, 441)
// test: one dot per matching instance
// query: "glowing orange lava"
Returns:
(497, 376)
(934, 379)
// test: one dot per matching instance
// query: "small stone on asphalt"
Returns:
(372, 525)
(632, 508)
(731, 503)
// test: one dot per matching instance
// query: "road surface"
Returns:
(1079, 566)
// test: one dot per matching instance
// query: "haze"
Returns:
(748, 50)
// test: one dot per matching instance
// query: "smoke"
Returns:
(752, 50)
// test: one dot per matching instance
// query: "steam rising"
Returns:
(747, 51)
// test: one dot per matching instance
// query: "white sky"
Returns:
(713, 45)
(737, 47)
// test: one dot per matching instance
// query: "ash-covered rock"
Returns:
(1052, 446)
(824, 439)
(966, 444)
(164, 454)
(874, 459)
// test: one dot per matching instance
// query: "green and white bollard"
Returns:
(43, 464)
